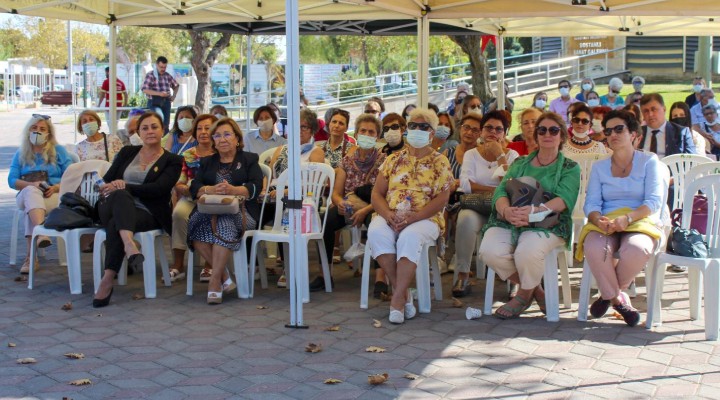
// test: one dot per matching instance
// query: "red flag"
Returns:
(485, 39)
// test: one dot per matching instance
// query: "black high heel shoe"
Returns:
(99, 303)
(135, 263)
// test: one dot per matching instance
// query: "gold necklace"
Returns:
(623, 169)
(144, 162)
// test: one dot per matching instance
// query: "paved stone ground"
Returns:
(176, 346)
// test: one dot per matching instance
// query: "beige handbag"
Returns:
(220, 204)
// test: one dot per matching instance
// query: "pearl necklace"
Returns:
(579, 143)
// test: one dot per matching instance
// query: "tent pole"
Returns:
(705, 58)
(298, 258)
(500, 57)
(423, 63)
(248, 55)
(113, 122)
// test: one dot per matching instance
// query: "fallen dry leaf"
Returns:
(617, 315)
(138, 296)
(313, 348)
(333, 328)
(11, 344)
(411, 377)
(81, 382)
(473, 282)
(261, 307)
(377, 323)
(21, 278)
(67, 306)
(378, 379)
(331, 381)
(375, 349)
(457, 303)
(75, 356)
(28, 360)
(99, 315)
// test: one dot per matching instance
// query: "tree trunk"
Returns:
(204, 54)
(478, 65)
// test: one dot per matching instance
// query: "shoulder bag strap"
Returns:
(107, 154)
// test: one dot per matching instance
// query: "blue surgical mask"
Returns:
(366, 142)
(90, 128)
(540, 103)
(304, 148)
(638, 87)
(586, 87)
(593, 102)
(219, 116)
(185, 124)
(417, 138)
(697, 88)
(442, 132)
(564, 91)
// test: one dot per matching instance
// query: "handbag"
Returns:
(481, 202)
(687, 243)
(219, 204)
(35, 176)
(527, 191)
(699, 214)
(72, 212)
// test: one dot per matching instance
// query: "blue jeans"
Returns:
(164, 110)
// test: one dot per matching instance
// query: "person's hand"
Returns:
(182, 189)
(224, 188)
(118, 184)
(636, 142)
(606, 225)
(51, 190)
(456, 185)
(517, 216)
(164, 94)
(359, 216)
(493, 150)
(620, 223)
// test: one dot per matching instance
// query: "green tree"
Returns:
(480, 73)
(138, 41)
(206, 47)
(47, 38)
(12, 40)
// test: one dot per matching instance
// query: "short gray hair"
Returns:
(428, 115)
(616, 83)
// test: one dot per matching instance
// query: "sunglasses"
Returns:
(564, 87)
(543, 130)
(583, 121)
(617, 129)
(393, 127)
(497, 129)
(41, 116)
(423, 126)
(615, 91)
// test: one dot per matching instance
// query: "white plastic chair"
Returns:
(241, 273)
(679, 165)
(71, 237)
(587, 278)
(698, 268)
(586, 162)
(554, 260)
(265, 156)
(428, 259)
(315, 178)
(151, 245)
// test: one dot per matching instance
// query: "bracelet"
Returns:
(499, 157)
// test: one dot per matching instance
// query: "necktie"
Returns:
(653, 141)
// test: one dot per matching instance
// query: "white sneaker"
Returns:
(396, 316)
(410, 310)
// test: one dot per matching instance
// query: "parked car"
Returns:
(20, 90)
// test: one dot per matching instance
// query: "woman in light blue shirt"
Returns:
(623, 205)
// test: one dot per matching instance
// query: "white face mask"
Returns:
(38, 138)
(442, 132)
(593, 102)
(564, 91)
(538, 214)
(90, 128)
(586, 87)
(540, 103)
(185, 124)
(135, 140)
(597, 125)
(418, 138)
(475, 111)
(697, 88)
(581, 135)
(265, 126)
(393, 137)
(366, 142)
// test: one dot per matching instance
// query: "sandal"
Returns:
(540, 300)
(176, 275)
(514, 311)
(228, 286)
(214, 298)
(205, 275)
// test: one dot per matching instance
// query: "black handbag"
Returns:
(481, 202)
(62, 218)
(77, 203)
(687, 243)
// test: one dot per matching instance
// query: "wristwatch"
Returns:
(630, 220)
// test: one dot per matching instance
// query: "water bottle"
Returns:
(97, 179)
(404, 209)
(348, 211)
(285, 222)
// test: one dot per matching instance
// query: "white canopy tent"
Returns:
(496, 17)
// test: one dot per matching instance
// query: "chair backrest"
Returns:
(72, 152)
(267, 174)
(315, 177)
(700, 170)
(75, 174)
(265, 156)
(586, 162)
(710, 185)
(664, 212)
(679, 165)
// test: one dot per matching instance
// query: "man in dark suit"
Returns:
(661, 136)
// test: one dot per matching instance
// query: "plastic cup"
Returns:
(473, 313)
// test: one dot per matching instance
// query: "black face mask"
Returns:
(682, 121)
(459, 101)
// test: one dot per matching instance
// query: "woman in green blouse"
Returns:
(509, 227)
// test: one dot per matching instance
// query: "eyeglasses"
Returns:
(469, 128)
(304, 127)
(226, 136)
(393, 127)
(371, 111)
(41, 116)
(563, 87)
(497, 129)
(423, 126)
(710, 113)
(617, 129)
(615, 91)
(583, 121)
(636, 101)
(543, 130)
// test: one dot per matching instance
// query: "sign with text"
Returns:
(588, 45)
